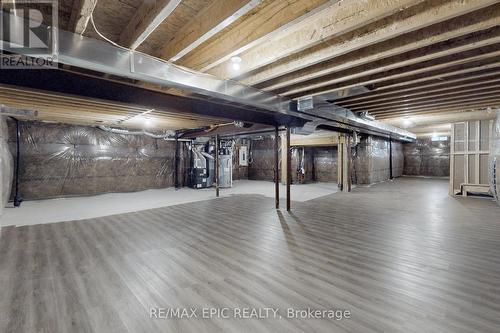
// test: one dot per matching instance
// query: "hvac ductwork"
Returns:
(342, 119)
(79, 51)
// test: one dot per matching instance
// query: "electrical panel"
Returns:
(243, 156)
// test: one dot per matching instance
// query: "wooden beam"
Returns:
(208, 22)
(339, 18)
(434, 54)
(425, 92)
(400, 77)
(147, 18)
(436, 112)
(80, 15)
(436, 84)
(469, 98)
(442, 63)
(273, 18)
(440, 117)
(338, 54)
(314, 141)
(490, 90)
(465, 104)
(441, 75)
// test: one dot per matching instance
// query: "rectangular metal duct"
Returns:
(79, 51)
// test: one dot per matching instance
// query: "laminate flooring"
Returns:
(400, 256)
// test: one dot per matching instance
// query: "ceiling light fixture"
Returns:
(407, 122)
(236, 63)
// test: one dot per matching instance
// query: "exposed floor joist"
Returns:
(438, 33)
(211, 20)
(465, 106)
(426, 57)
(481, 90)
(424, 93)
(412, 19)
(340, 18)
(148, 17)
(85, 111)
(270, 19)
(405, 75)
(80, 15)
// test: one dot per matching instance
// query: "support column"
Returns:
(288, 169)
(390, 159)
(344, 163)
(276, 169)
(347, 164)
(217, 165)
(176, 161)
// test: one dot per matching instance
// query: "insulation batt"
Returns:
(59, 160)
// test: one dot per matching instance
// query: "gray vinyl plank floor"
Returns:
(401, 256)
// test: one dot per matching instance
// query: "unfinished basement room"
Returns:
(249, 166)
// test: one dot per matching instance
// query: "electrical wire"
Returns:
(104, 37)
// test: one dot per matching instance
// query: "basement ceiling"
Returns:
(394, 58)
(85, 111)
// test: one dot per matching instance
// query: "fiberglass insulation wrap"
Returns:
(63, 160)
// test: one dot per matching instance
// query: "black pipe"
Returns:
(390, 159)
(176, 161)
(17, 198)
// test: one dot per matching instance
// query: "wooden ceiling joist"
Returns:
(339, 18)
(425, 96)
(430, 58)
(211, 20)
(76, 110)
(434, 111)
(414, 18)
(469, 102)
(478, 21)
(434, 91)
(463, 96)
(268, 20)
(406, 75)
(148, 17)
(80, 15)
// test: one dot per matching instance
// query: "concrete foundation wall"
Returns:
(427, 158)
(64, 160)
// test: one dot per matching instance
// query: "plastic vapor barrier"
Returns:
(64, 160)
(326, 164)
(6, 166)
(495, 159)
(427, 158)
(261, 165)
(371, 160)
(398, 159)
